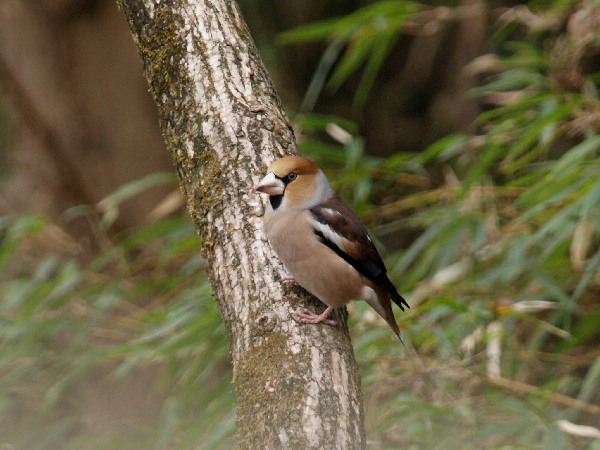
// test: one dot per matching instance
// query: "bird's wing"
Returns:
(340, 229)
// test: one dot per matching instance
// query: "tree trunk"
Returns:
(297, 385)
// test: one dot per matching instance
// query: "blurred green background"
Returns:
(465, 134)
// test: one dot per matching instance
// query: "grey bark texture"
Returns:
(297, 385)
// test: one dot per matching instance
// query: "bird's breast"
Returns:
(314, 266)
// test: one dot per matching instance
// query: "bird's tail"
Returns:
(384, 289)
(398, 299)
(389, 287)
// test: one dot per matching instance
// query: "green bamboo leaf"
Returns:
(317, 31)
(369, 32)
(533, 133)
(319, 79)
(110, 204)
(591, 382)
(486, 159)
(590, 270)
(355, 55)
(577, 154)
(379, 54)
(397, 12)
(591, 200)
(555, 291)
(562, 178)
(416, 248)
(554, 439)
(443, 149)
(519, 108)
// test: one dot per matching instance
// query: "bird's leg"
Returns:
(288, 279)
(307, 316)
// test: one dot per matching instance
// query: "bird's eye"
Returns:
(292, 176)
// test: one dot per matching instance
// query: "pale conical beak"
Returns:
(271, 185)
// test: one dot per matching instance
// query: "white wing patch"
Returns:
(329, 233)
(332, 212)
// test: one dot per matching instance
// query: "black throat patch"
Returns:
(275, 201)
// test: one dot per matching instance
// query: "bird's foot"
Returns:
(288, 279)
(307, 316)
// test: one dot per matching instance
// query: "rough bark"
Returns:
(297, 385)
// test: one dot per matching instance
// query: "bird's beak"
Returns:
(271, 185)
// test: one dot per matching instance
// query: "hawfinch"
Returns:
(322, 242)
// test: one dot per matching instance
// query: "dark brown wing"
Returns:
(340, 229)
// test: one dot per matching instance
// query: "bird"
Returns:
(322, 243)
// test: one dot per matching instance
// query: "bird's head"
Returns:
(296, 183)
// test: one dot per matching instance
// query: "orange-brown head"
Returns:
(294, 182)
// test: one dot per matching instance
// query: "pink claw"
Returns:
(307, 316)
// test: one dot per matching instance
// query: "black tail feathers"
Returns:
(398, 299)
(389, 287)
